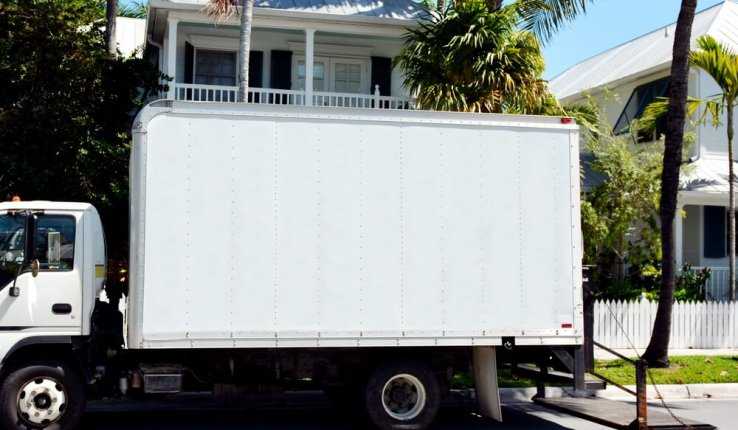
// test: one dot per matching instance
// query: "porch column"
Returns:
(172, 55)
(309, 64)
(679, 237)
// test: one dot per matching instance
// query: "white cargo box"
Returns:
(282, 226)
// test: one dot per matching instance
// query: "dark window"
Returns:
(715, 231)
(54, 242)
(215, 67)
(12, 246)
(641, 97)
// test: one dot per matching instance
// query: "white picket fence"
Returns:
(704, 325)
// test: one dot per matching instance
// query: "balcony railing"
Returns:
(228, 94)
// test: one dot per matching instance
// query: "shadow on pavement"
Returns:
(326, 418)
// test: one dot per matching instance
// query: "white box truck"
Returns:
(360, 251)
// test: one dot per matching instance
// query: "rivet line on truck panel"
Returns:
(521, 234)
(556, 216)
(318, 224)
(230, 302)
(275, 223)
(362, 142)
(401, 150)
(442, 221)
(188, 234)
(395, 119)
(482, 238)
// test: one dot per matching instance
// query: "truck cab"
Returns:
(52, 269)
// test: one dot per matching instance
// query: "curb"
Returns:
(668, 392)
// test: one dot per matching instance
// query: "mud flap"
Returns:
(485, 379)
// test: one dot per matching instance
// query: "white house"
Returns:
(327, 53)
(624, 80)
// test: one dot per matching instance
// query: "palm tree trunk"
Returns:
(731, 203)
(244, 49)
(111, 11)
(494, 4)
(441, 5)
(657, 353)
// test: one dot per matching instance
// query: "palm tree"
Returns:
(224, 9)
(468, 58)
(111, 11)
(657, 352)
(544, 17)
(721, 63)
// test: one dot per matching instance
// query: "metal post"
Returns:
(641, 395)
(542, 377)
(588, 301)
(579, 370)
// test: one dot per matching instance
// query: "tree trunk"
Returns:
(731, 203)
(441, 5)
(494, 4)
(244, 49)
(111, 11)
(657, 353)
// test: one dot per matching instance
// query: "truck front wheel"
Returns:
(41, 396)
(403, 395)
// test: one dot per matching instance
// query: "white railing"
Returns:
(354, 100)
(229, 94)
(694, 324)
(717, 287)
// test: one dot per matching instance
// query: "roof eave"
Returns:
(624, 80)
(317, 16)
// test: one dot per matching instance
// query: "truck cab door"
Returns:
(53, 297)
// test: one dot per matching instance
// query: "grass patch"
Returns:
(504, 375)
(696, 369)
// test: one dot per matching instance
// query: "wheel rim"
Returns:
(403, 397)
(42, 401)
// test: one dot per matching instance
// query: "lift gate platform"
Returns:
(615, 414)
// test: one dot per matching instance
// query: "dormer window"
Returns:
(642, 96)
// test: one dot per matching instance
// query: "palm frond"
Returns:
(471, 58)
(137, 9)
(720, 62)
(221, 9)
(545, 17)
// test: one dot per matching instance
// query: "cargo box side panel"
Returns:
(545, 218)
(293, 231)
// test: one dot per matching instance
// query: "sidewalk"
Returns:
(667, 392)
(601, 354)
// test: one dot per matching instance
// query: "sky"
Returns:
(606, 24)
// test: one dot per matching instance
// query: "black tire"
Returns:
(71, 383)
(375, 396)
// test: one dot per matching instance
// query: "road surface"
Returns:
(518, 416)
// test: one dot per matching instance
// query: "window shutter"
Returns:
(714, 226)
(382, 75)
(189, 63)
(256, 62)
(281, 70)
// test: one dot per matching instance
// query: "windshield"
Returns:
(12, 246)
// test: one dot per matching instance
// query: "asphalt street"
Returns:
(523, 416)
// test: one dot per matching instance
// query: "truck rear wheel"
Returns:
(42, 396)
(403, 395)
